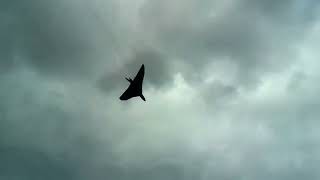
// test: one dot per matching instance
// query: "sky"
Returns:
(231, 89)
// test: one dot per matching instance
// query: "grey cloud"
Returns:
(250, 33)
(57, 38)
(219, 93)
(284, 11)
(53, 127)
(23, 163)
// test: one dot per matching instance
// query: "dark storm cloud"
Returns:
(58, 38)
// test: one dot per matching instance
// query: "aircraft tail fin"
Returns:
(129, 79)
(142, 97)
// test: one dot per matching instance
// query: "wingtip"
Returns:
(142, 97)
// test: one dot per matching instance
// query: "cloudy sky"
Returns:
(231, 89)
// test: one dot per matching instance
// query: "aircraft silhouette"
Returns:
(135, 87)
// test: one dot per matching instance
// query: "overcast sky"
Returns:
(232, 90)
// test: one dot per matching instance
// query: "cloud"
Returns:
(60, 38)
(247, 32)
(230, 86)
